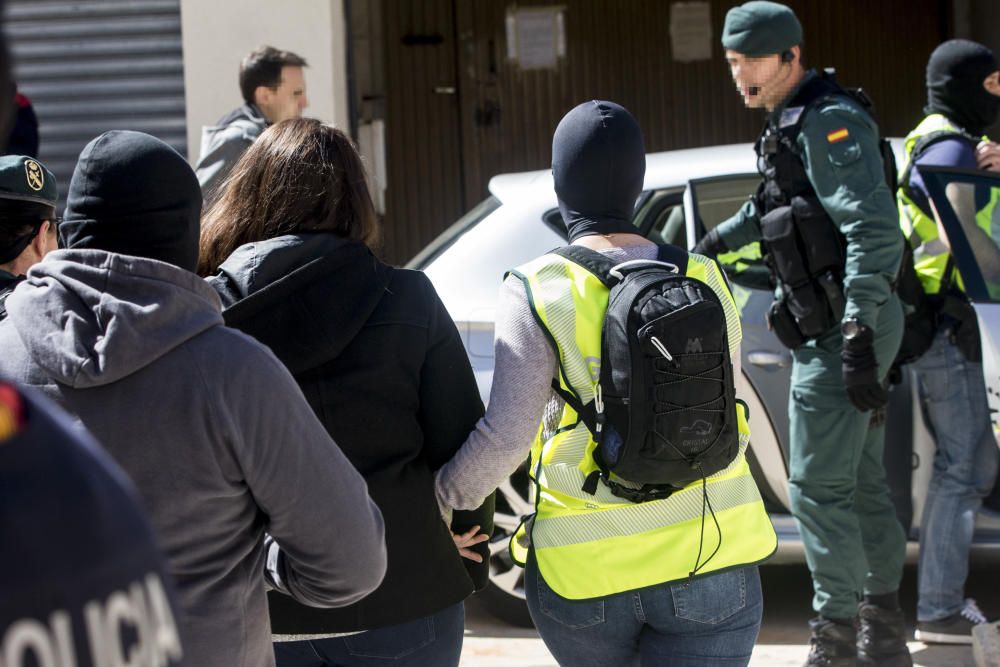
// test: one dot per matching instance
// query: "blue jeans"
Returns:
(953, 396)
(432, 641)
(710, 620)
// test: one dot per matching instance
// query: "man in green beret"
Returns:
(829, 230)
(28, 196)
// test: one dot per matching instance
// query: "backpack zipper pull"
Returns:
(661, 347)
(599, 407)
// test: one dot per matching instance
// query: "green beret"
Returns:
(26, 179)
(761, 28)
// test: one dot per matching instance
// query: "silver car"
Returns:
(685, 194)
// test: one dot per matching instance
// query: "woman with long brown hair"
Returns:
(288, 247)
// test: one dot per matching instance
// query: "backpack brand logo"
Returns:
(693, 346)
(697, 427)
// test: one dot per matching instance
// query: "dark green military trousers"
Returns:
(853, 542)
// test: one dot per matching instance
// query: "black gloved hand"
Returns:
(861, 372)
(711, 245)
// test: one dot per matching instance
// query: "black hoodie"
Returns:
(382, 364)
(134, 195)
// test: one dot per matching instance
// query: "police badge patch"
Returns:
(790, 116)
(36, 177)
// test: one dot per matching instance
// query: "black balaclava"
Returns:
(598, 163)
(955, 74)
(135, 195)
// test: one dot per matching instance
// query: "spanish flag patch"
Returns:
(838, 135)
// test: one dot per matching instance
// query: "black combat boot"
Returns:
(882, 638)
(833, 644)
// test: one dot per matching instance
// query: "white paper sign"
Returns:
(536, 37)
(691, 31)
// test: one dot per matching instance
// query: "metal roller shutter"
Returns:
(96, 65)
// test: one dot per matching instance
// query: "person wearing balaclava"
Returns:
(963, 100)
(829, 226)
(209, 425)
(592, 560)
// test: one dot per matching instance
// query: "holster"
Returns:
(782, 323)
(805, 252)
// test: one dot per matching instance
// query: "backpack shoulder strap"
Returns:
(591, 260)
(674, 255)
(600, 265)
(922, 144)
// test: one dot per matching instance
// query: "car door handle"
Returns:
(768, 359)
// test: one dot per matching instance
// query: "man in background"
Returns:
(273, 86)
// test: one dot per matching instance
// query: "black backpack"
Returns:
(665, 410)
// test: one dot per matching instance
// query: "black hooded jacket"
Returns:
(382, 364)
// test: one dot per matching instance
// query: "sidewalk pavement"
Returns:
(531, 652)
(784, 637)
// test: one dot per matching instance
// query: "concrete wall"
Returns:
(216, 36)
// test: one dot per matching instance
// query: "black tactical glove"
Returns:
(861, 370)
(711, 245)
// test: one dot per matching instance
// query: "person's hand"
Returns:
(988, 156)
(711, 245)
(860, 370)
(464, 541)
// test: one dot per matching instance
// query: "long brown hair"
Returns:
(299, 176)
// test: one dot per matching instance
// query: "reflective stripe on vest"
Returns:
(589, 546)
(930, 256)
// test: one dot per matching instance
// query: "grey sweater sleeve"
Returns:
(328, 547)
(524, 365)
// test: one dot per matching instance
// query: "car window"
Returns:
(968, 204)
(717, 199)
(553, 218)
(660, 218)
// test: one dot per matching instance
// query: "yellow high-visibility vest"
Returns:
(589, 546)
(931, 259)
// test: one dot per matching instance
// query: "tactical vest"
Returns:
(590, 546)
(803, 248)
(931, 258)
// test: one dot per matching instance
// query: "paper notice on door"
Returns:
(691, 31)
(536, 36)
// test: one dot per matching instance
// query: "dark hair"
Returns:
(263, 68)
(298, 176)
(20, 218)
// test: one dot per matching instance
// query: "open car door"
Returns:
(977, 257)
